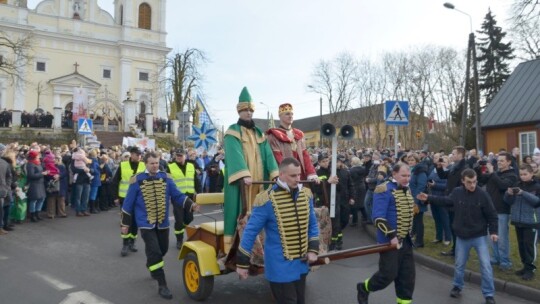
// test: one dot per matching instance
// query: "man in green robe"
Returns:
(248, 158)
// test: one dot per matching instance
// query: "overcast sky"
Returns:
(272, 46)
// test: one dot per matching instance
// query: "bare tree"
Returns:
(335, 81)
(18, 56)
(525, 10)
(185, 78)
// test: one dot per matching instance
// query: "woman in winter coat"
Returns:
(36, 185)
(95, 183)
(418, 184)
(56, 200)
(525, 216)
(437, 186)
(358, 176)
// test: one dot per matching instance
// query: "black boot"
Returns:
(37, 216)
(163, 290)
(179, 240)
(96, 207)
(125, 248)
(363, 294)
(92, 207)
(132, 246)
(32, 217)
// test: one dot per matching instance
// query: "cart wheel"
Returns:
(198, 287)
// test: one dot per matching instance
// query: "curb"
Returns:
(511, 288)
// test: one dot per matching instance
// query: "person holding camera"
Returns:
(497, 182)
(453, 180)
(524, 200)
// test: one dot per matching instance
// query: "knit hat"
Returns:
(285, 108)
(33, 154)
(244, 101)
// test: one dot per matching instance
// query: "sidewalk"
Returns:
(521, 291)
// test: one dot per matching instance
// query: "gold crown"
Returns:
(286, 107)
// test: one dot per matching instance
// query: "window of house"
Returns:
(40, 66)
(143, 76)
(145, 16)
(107, 73)
(527, 142)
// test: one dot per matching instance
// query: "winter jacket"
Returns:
(525, 211)
(418, 184)
(5, 179)
(496, 184)
(35, 181)
(474, 214)
(440, 184)
(95, 170)
(453, 175)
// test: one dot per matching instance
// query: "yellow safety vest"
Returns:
(186, 183)
(127, 173)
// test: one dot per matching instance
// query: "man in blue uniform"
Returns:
(286, 213)
(392, 215)
(146, 203)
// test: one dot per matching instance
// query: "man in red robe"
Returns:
(287, 141)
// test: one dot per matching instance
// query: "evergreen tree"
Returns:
(493, 58)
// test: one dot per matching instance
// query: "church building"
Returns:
(76, 45)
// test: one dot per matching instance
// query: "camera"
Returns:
(515, 190)
(482, 162)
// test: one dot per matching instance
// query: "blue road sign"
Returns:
(85, 126)
(396, 113)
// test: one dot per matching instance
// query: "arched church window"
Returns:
(145, 16)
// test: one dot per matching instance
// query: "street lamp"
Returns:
(471, 55)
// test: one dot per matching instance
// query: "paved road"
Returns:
(77, 260)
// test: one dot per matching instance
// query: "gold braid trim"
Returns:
(292, 221)
(153, 191)
(405, 211)
(262, 198)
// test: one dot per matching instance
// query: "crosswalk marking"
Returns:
(55, 283)
(84, 297)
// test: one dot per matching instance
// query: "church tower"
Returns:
(143, 14)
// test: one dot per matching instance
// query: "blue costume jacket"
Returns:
(148, 196)
(282, 263)
(389, 204)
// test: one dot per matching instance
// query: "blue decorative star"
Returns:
(203, 136)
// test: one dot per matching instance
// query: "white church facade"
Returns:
(76, 44)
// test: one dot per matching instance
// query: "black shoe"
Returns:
(436, 241)
(37, 216)
(490, 300)
(8, 228)
(448, 253)
(125, 250)
(179, 244)
(455, 292)
(418, 245)
(33, 217)
(520, 272)
(132, 246)
(362, 294)
(164, 292)
(527, 276)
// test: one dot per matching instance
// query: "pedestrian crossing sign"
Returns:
(85, 126)
(396, 113)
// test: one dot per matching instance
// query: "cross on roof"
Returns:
(76, 66)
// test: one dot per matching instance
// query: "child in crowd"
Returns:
(48, 162)
(79, 161)
(525, 214)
